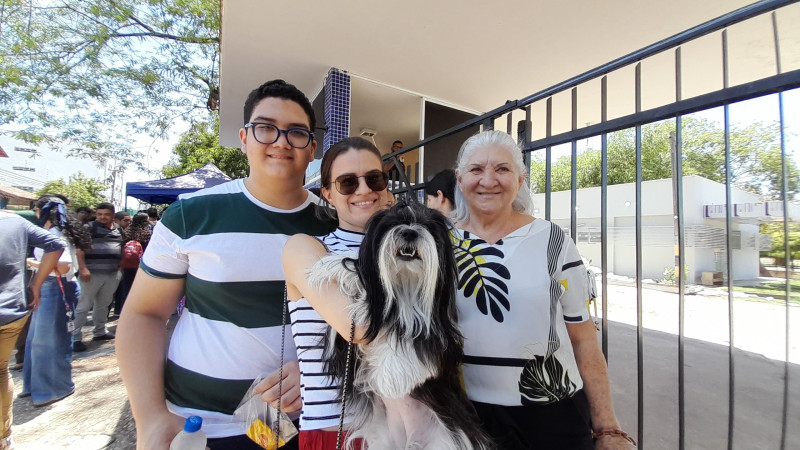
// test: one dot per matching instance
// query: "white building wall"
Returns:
(658, 239)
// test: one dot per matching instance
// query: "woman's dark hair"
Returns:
(343, 146)
(444, 181)
(53, 209)
(346, 144)
(139, 230)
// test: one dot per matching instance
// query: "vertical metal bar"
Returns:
(509, 117)
(786, 249)
(573, 187)
(548, 186)
(681, 255)
(527, 139)
(487, 125)
(639, 330)
(787, 267)
(604, 211)
(728, 241)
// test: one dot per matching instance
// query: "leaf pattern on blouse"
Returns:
(479, 274)
(544, 381)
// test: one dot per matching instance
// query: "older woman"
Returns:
(532, 364)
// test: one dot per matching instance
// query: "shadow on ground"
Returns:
(97, 416)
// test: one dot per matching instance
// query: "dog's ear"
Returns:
(369, 273)
(439, 227)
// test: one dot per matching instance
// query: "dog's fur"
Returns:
(404, 391)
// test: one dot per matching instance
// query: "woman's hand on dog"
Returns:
(290, 388)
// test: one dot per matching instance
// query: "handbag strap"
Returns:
(277, 422)
(57, 276)
(344, 385)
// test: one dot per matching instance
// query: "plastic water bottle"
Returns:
(192, 437)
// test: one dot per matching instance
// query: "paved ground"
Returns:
(97, 416)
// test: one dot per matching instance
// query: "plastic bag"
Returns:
(260, 419)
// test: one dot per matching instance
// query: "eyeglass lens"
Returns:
(269, 134)
(348, 183)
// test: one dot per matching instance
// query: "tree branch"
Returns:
(151, 32)
(156, 34)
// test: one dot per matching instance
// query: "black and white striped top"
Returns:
(320, 406)
(106, 247)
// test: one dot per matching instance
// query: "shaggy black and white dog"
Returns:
(404, 390)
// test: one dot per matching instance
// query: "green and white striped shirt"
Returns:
(227, 245)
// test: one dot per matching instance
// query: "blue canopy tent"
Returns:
(168, 189)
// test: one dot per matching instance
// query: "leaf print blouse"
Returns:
(514, 298)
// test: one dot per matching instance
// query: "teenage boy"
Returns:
(221, 247)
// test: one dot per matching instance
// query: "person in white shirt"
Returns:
(47, 371)
(354, 185)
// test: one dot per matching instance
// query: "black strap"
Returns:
(277, 422)
(344, 385)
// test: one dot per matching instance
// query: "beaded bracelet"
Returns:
(613, 432)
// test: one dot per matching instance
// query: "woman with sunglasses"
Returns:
(355, 188)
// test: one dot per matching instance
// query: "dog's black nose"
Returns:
(408, 234)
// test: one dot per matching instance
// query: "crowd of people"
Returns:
(75, 266)
(531, 366)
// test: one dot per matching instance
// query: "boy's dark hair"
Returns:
(397, 142)
(444, 181)
(120, 215)
(152, 212)
(279, 89)
(105, 205)
(84, 208)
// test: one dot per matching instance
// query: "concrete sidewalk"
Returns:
(98, 416)
(759, 353)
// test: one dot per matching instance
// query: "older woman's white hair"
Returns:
(501, 140)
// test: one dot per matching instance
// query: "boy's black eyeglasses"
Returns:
(267, 133)
(348, 183)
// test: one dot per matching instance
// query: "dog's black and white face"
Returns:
(406, 264)
(405, 388)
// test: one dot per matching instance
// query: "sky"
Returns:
(51, 165)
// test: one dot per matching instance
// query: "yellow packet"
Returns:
(263, 435)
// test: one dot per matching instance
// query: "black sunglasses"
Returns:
(348, 183)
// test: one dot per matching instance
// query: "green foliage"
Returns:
(199, 146)
(81, 190)
(755, 158)
(86, 75)
(671, 275)
(775, 230)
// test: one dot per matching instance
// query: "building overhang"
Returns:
(470, 54)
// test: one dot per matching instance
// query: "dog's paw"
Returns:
(339, 269)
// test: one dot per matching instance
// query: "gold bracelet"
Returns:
(613, 432)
